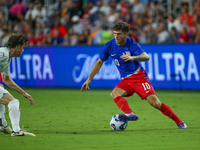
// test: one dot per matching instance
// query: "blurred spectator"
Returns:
(172, 22)
(47, 39)
(1, 31)
(197, 38)
(31, 14)
(173, 37)
(17, 11)
(114, 4)
(196, 7)
(73, 37)
(153, 24)
(185, 17)
(160, 18)
(133, 34)
(77, 27)
(5, 36)
(32, 40)
(138, 7)
(185, 36)
(86, 13)
(39, 37)
(128, 17)
(140, 23)
(24, 27)
(123, 6)
(101, 19)
(46, 27)
(86, 38)
(61, 29)
(66, 40)
(162, 33)
(92, 8)
(7, 3)
(150, 34)
(94, 31)
(142, 38)
(103, 36)
(65, 6)
(65, 20)
(41, 12)
(112, 17)
(156, 9)
(76, 9)
(103, 7)
(57, 39)
(38, 26)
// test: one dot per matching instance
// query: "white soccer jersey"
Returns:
(4, 60)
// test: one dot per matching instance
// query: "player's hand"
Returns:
(126, 57)
(85, 86)
(26, 95)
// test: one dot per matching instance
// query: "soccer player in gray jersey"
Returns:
(14, 48)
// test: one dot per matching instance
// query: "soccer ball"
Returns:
(116, 124)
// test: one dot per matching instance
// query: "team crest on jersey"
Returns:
(128, 53)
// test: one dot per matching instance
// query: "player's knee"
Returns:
(14, 103)
(112, 95)
(154, 101)
(156, 104)
(1, 85)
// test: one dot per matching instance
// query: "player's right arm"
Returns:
(11, 84)
(97, 66)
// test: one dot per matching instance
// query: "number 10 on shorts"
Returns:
(146, 86)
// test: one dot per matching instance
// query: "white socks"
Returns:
(2, 115)
(14, 114)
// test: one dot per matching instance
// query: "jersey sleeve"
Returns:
(137, 50)
(105, 52)
(4, 66)
(6, 71)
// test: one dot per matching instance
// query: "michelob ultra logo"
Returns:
(159, 67)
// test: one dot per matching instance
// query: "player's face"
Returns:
(120, 37)
(19, 50)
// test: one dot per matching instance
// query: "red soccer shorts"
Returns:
(139, 85)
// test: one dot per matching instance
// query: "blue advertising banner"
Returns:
(169, 67)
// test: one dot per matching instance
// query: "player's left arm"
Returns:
(142, 57)
(11, 84)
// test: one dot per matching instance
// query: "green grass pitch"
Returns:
(68, 119)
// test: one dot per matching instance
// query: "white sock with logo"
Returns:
(2, 115)
(14, 114)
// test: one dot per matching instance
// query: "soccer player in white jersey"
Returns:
(14, 48)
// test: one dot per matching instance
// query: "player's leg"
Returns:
(14, 113)
(117, 95)
(145, 90)
(165, 109)
(3, 123)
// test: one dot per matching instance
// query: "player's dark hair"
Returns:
(121, 26)
(17, 39)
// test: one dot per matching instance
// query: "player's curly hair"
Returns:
(121, 26)
(16, 39)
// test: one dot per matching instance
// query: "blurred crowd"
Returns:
(90, 22)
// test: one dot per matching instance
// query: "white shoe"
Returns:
(22, 133)
(7, 129)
